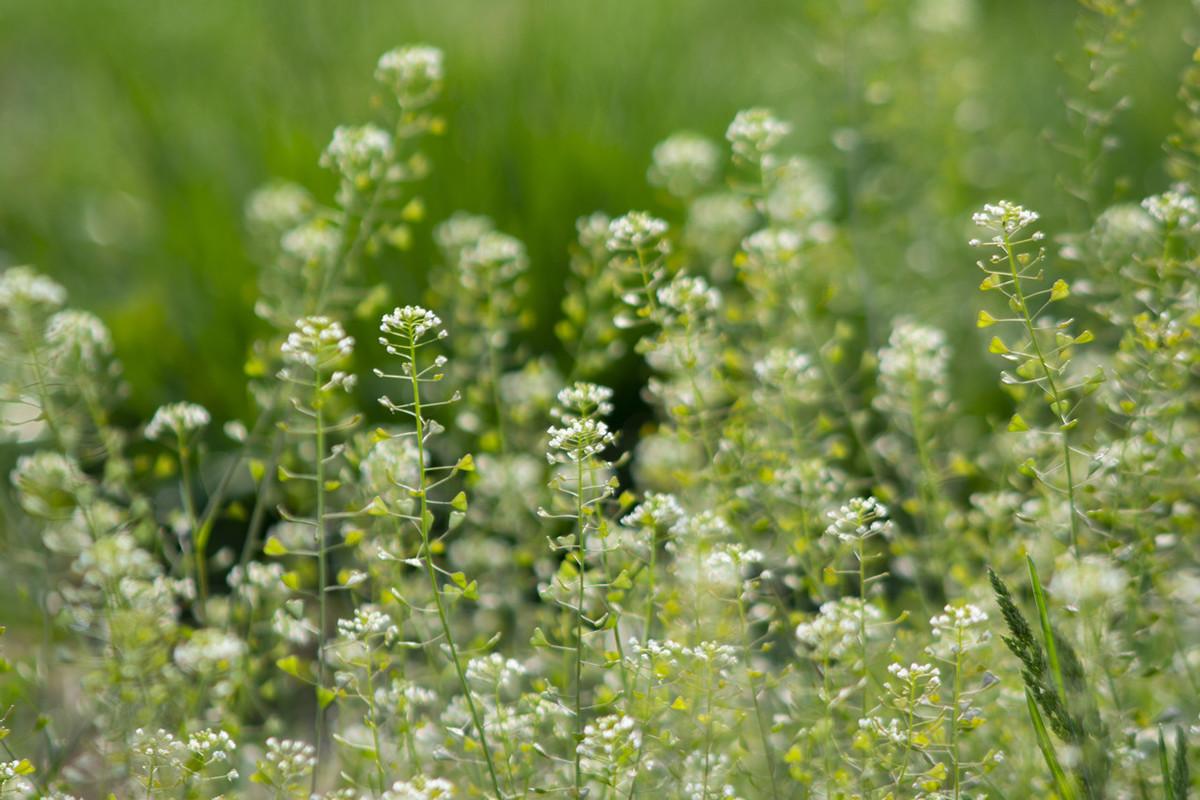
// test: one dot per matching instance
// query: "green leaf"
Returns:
(1039, 597)
(291, 579)
(539, 638)
(292, 666)
(465, 464)
(984, 320)
(1066, 789)
(459, 503)
(1017, 424)
(1059, 290)
(325, 696)
(274, 547)
(1164, 765)
(997, 346)
(1085, 337)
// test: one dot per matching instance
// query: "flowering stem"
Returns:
(581, 550)
(1058, 403)
(431, 573)
(768, 753)
(322, 571)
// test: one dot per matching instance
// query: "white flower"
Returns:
(78, 337)
(684, 163)
(313, 242)
(580, 440)
(181, 419)
(319, 342)
(772, 247)
(657, 510)
(494, 672)
(209, 650)
(756, 132)
(367, 623)
(1004, 219)
(1088, 581)
(24, 288)
(959, 628)
(49, 483)
(836, 628)
(636, 231)
(411, 323)
(859, 519)
(583, 400)
(414, 73)
(358, 153)
(420, 788)
(915, 354)
(278, 205)
(1176, 208)
(689, 295)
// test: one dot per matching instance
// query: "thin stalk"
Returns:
(431, 573)
(581, 545)
(322, 572)
(1054, 393)
(768, 752)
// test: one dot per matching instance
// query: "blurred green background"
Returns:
(132, 132)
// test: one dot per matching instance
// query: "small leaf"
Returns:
(257, 469)
(1059, 290)
(680, 704)
(1085, 337)
(1017, 424)
(292, 666)
(291, 579)
(275, 547)
(459, 503)
(997, 346)
(984, 320)
(325, 696)
(465, 464)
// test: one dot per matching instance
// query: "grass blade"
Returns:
(1063, 785)
(1039, 597)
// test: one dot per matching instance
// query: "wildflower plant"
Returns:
(782, 553)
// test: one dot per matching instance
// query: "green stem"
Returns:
(1058, 402)
(581, 550)
(431, 573)
(322, 572)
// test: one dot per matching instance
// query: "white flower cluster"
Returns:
(579, 440)
(684, 163)
(49, 483)
(318, 342)
(359, 153)
(609, 743)
(211, 746)
(917, 353)
(725, 565)
(706, 525)
(278, 206)
(637, 231)
(22, 288)
(582, 400)
(257, 582)
(290, 758)
(420, 788)
(413, 72)
(705, 658)
(859, 519)
(367, 623)
(209, 650)
(493, 257)
(313, 242)
(1004, 219)
(789, 369)
(800, 194)
(182, 419)
(834, 631)
(494, 672)
(914, 684)
(1175, 208)
(772, 247)
(411, 323)
(959, 628)
(658, 510)
(1089, 581)
(690, 295)
(755, 132)
(78, 339)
